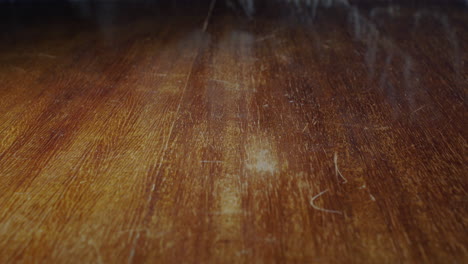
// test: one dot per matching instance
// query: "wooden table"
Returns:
(334, 135)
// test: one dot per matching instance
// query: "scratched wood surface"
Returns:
(336, 136)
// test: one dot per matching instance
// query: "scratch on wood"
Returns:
(417, 110)
(132, 251)
(169, 134)
(210, 11)
(45, 55)
(244, 252)
(166, 146)
(312, 200)
(233, 85)
(337, 170)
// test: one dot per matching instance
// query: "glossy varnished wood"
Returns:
(336, 136)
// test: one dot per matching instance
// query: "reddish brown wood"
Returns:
(287, 138)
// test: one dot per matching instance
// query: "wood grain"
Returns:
(293, 137)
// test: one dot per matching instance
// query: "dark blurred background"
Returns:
(17, 15)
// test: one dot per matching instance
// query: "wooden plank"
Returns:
(336, 137)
